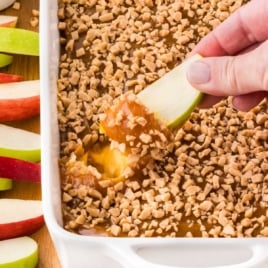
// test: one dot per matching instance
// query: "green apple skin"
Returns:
(27, 155)
(19, 41)
(29, 261)
(180, 120)
(5, 184)
(5, 60)
(172, 98)
(19, 143)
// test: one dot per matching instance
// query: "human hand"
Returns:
(236, 59)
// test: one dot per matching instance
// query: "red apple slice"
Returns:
(20, 217)
(19, 100)
(8, 21)
(18, 169)
(19, 252)
(8, 78)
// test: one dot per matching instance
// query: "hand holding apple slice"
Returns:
(20, 217)
(18, 252)
(169, 101)
(172, 98)
(19, 100)
(19, 143)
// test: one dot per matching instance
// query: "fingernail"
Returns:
(198, 73)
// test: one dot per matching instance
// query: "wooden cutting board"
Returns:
(28, 67)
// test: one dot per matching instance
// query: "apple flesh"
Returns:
(17, 169)
(19, 143)
(8, 21)
(18, 253)
(5, 4)
(20, 217)
(8, 78)
(172, 98)
(19, 100)
(19, 41)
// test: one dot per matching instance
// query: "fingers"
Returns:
(231, 76)
(248, 101)
(208, 101)
(243, 28)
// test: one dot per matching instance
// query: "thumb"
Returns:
(231, 75)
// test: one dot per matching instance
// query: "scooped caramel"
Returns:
(130, 122)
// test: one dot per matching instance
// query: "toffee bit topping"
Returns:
(206, 179)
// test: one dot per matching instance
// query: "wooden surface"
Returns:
(29, 68)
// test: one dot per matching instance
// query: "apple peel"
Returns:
(5, 184)
(19, 100)
(172, 98)
(19, 143)
(17, 169)
(19, 41)
(19, 252)
(9, 78)
(13, 224)
(5, 60)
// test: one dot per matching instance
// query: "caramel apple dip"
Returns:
(123, 172)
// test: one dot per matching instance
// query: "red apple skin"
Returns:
(17, 169)
(21, 228)
(19, 109)
(8, 78)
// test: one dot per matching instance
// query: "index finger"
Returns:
(246, 26)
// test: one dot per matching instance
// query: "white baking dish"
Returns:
(84, 251)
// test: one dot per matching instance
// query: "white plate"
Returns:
(84, 251)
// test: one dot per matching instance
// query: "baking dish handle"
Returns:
(251, 255)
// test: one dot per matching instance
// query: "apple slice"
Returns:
(19, 100)
(8, 21)
(18, 253)
(5, 4)
(20, 217)
(19, 41)
(8, 78)
(5, 184)
(18, 169)
(172, 98)
(5, 60)
(19, 143)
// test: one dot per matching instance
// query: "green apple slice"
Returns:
(5, 60)
(19, 143)
(19, 41)
(18, 253)
(172, 98)
(5, 184)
